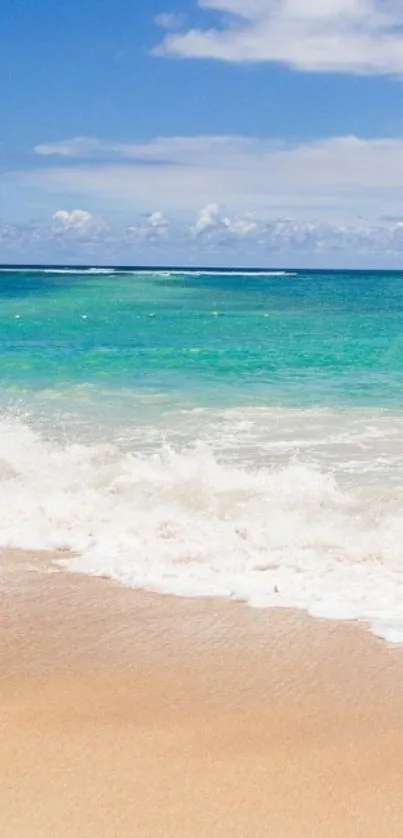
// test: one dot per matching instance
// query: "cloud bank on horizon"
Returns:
(344, 36)
(213, 238)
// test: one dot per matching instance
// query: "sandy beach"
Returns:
(131, 714)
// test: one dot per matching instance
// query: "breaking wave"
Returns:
(183, 522)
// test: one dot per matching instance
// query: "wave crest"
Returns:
(181, 522)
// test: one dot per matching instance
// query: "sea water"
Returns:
(210, 433)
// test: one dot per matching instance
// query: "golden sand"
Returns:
(128, 714)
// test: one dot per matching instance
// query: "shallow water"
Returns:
(210, 433)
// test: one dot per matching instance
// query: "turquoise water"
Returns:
(210, 433)
(310, 338)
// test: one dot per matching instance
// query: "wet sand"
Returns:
(130, 714)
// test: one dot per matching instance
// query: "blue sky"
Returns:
(209, 132)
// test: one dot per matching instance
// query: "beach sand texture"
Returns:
(129, 714)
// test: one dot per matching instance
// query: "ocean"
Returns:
(210, 433)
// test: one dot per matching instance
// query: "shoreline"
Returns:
(128, 713)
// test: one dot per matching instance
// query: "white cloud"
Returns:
(213, 237)
(76, 219)
(157, 222)
(169, 20)
(84, 147)
(337, 178)
(78, 225)
(153, 226)
(208, 218)
(211, 221)
(354, 36)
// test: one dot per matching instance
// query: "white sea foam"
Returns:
(154, 272)
(218, 272)
(79, 271)
(190, 522)
(174, 273)
(73, 271)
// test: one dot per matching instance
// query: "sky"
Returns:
(202, 132)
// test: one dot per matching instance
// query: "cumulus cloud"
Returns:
(157, 223)
(349, 36)
(211, 221)
(208, 219)
(78, 224)
(153, 226)
(214, 236)
(76, 219)
(287, 241)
